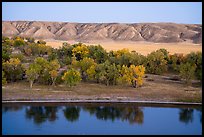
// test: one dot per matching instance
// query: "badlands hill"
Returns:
(84, 32)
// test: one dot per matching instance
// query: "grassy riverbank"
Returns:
(155, 88)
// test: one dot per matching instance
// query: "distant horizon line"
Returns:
(96, 22)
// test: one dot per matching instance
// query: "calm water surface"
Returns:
(100, 119)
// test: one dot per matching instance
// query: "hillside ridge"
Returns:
(149, 32)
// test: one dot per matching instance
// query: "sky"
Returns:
(104, 12)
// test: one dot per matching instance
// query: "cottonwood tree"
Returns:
(18, 41)
(84, 65)
(3, 78)
(187, 71)
(53, 74)
(32, 73)
(98, 53)
(71, 77)
(44, 66)
(125, 76)
(53, 68)
(80, 51)
(13, 69)
(155, 63)
(91, 72)
(107, 73)
(139, 72)
(195, 58)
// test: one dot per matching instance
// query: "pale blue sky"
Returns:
(104, 12)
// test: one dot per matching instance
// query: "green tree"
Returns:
(13, 69)
(64, 54)
(155, 63)
(20, 56)
(84, 65)
(53, 54)
(6, 52)
(107, 73)
(187, 71)
(43, 49)
(53, 67)
(98, 53)
(175, 61)
(195, 58)
(3, 78)
(71, 77)
(137, 59)
(32, 73)
(19, 42)
(165, 52)
(44, 76)
(121, 57)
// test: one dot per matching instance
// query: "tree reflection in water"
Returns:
(41, 113)
(133, 114)
(186, 115)
(71, 113)
(200, 113)
(9, 108)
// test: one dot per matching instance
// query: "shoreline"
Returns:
(158, 91)
(101, 101)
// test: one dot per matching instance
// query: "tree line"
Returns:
(37, 62)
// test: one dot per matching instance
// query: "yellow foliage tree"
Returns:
(53, 75)
(13, 69)
(71, 77)
(138, 74)
(126, 75)
(121, 52)
(91, 72)
(80, 51)
(140, 71)
(54, 66)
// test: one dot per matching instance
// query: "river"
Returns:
(100, 118)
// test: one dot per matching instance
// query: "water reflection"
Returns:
(200, 113)
(131, 114)
(40, 113)
(71, 113)
(186, 115)
(11, 108)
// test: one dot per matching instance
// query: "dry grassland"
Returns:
(143, 48)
